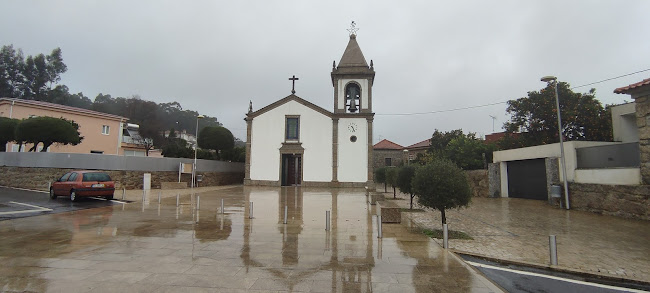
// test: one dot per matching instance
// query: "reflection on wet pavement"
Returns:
(152, 247)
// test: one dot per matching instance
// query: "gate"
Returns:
(527, 179)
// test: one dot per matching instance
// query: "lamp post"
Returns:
(552, 81)
(196, 148)
(406, 153)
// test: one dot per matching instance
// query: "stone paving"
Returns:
(518, 229)
(151, 247)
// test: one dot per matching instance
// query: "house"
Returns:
(387, 153)
(418, 148)
(102, 132)
(294, 142)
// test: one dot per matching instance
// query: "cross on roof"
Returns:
(293, 86)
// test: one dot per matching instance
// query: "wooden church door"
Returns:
(291, 169)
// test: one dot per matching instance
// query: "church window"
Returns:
(352, 97)
(292, 131)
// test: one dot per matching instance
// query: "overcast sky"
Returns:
(215, 56)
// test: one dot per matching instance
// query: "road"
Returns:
(19, 203)
(515, 278)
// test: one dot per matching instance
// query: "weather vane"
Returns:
(353, 28)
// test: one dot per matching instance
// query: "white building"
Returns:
(294, 142)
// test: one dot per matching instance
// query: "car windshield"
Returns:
(96, 177)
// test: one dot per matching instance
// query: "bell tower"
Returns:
(352, 80)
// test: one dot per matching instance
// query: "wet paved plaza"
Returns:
(147, 247)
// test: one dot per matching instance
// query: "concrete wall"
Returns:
(268, 134)
(353, 156)
(620, 176)
(38, 178)
(111, 162)
(616, 200)
(624, 123)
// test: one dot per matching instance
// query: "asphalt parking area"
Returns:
(20, 203)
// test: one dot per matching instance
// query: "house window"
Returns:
(292, 128)
(105, 129)
(388, 161)
(96, 152)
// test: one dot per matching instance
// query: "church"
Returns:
(293, 142)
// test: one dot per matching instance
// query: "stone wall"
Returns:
(642, 107)
(478, 180)
(494, 179)
(38, 178)
(628, 201)
(379, 156)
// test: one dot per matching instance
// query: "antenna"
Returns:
(494, 118)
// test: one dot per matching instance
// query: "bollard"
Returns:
(144, 193)
(222, 207)
(445, 236)
(159, 195)
(178, 199)
(123, 192)
(197, 216)
(198, 202)
(250, 212)
(379, 235)
(285, 214)
(553, 249)
(327, 220)
(49, 186)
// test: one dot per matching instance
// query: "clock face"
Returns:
(352, 127)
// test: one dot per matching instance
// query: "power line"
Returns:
(498, 103)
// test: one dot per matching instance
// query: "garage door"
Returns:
(527, 179)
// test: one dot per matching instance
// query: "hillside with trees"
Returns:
(37, 78)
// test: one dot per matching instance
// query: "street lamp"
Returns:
(406, 153)
(552, 81)
(196, 148)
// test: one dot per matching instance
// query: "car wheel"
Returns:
(52, 195)
(73, 196)
(110, 197)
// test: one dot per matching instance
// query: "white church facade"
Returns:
(293, 142)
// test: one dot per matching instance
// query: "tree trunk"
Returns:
(385, 187)
(45, 146)
(394, 194)
(412, 195)
(444, 219)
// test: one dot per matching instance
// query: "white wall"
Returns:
(624, 123)
(618, 176)
(364, 92)
(549, 151)
(353, 156)
(268, 135)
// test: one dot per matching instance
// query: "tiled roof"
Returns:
(424, 143)
(387, 145)
(62, 108)
(625, 89)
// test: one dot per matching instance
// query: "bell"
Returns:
(353, 105)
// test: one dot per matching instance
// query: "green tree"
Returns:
(441, 185)
(236, 154)
(469, 153)
(404, 180)
(48, 130)
(391, 178)
(380, 176)
(7, 131)
(11, 75)
(216, 138)
(535, 117)
(177, 148)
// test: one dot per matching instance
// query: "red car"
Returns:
(77, 184)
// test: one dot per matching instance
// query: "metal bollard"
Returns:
(123, 192)
(49, 186)
(222, 206)
(327, 220)
(285, 214)
(250, 213)
(445, 236)
(178, 199)
(198, 202)
(553, 249)
(379, 228)
(159, 196)
(144, 193)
